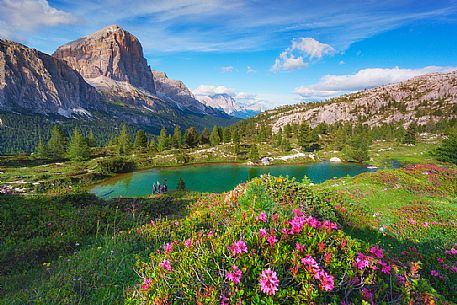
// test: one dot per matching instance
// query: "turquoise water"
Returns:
(217, 177)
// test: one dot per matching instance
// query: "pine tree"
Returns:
(214, 137)
(78, 149)
(285, 144)
(254, 153)
(141, 141)
(152, 145)
(91, 141)
(236, 136)
(57, 143)
(191, 137)
(357, 149)
(227, 135)
(124, 144)
(410, 135)
(177, 137)
(162, 140)
(288, 131)
(40, 149)
(204, 138)
(447, 151)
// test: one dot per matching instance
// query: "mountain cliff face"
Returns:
(423, 99)
(230, 105)
(111, 52)
(36, 82)
(177, 91)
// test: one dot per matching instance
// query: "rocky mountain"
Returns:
(230, 105)
(424, 99)
(111, 52)
(32, 81)
(177, 92)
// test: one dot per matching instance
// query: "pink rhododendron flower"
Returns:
(361, 261)
(146, 284)
(263, 232)
(275, 217)
(453, 251)
(299, 247)
(453, 269)
(329, 225)
(165, 264)
(328, 257)
(313, 222)
(434, 273)
(168, 247)
(367, 295)
(262, 217)
(235, 275)
(224, 300)
(297, 225)
(411, 221)
(327, 281)
(272, 240)
(269, 282)
(312, 265)
(385, 267)
(238, 247)
(298, 213)
(188, 243)
(377, 251)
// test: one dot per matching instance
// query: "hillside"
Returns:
(322, 243)
(101, 80)
(425, 99)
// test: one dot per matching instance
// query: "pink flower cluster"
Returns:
(298, 222)
(146, 284)
(269, 282)
(165, 264)
(235, 275)
(168, 247)
(262, 217)
(326, 281)
(238, 247)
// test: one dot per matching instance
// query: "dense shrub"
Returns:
(255, 247)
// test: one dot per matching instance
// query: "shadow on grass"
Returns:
(35, 230)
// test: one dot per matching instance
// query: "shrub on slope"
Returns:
(259, 245)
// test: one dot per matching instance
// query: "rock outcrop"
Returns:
(177, 91)
(111, 52)
(424, 99)
(36, 82)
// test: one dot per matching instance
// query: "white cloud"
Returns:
(250, 70)
(301, 49)
(227, 69)
(29, 15)
(212, 90)
(341, 62)
(333, 85)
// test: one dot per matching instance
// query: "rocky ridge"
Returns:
(423, 99)
(33, 81)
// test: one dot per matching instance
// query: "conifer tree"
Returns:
(181, 185)
(141, 141)
(254, 153)
(285, 144)
(204, 138)
(91, 141)
(447, 151)
(410, 135)
(214, 137)
(236, 136)
(152, 145)
(78, 149)
(191, 137)
(57, 143)
(162, 140)
(124, 144)
(227, 135)
(41, 149)
(177, 137)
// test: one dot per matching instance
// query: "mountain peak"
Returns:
(110, 52)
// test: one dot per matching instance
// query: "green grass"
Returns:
(75, 249)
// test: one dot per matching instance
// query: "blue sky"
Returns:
(275, 52)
